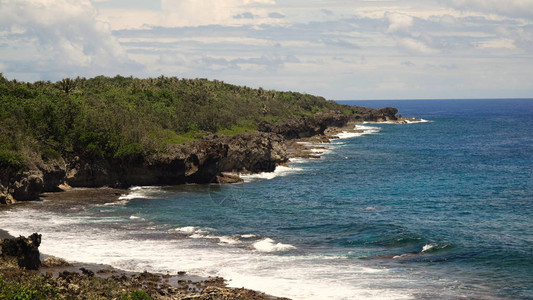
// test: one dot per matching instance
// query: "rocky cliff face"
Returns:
(28, 184)
(376, 115)
(201, 161)
(198, 162)
(306, 126)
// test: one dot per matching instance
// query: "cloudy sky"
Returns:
(340, 49)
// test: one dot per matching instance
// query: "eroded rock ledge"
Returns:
(201, 161)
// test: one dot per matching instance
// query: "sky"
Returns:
(339, 49)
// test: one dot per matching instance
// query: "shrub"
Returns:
(128, 151)
(136, 295)
(26, 288)
(11, 160)
(49, 154)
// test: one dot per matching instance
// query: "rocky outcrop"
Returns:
(202, 161)
(375, 115)
(22, 251)
(297, 128)
(257, 152)
(23, 185)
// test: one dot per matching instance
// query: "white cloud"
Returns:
(415, 46)
(335, 48)
(499, 43)
(64, 35)
(209, 12)
(398, 22)
(511, 8)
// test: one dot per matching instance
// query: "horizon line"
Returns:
(437, 99)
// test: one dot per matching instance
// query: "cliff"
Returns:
(199, 161)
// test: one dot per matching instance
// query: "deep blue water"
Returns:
(441, 209)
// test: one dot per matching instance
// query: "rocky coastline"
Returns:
(212, 159)
(202, 161)
(23, 275)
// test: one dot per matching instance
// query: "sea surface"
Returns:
(440, 209)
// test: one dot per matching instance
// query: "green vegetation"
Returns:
(136, 295)
(123, 118)
(11, 160)
(24, 286)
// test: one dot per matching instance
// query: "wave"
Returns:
(269, 245)
(405, 121)
(361, 130)
(417, 121)
(137, 192)
(434, 247)
(123, 202)
(256, 266)
(194, 232)
(279, 171)
(367, 129)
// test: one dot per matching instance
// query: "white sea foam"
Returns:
(405, 121)
(429, 247)
(248, 236)
(227, 240)
(279, 171)
(347, 135)
(419, 121)
(367, 129)
(143, 192)
(187, 229)
(314, 276)
(298, 160)
(136, 218)
(193, 230)
(269, 245)
(361, 130)
(117, 203)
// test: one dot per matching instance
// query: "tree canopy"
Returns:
(124, 117)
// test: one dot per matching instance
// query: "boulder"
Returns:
(24, 251)
(29, 186)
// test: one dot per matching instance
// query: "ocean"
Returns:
(440, 209)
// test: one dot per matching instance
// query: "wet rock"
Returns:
(51, 262)
(87, 272)
(228, 179)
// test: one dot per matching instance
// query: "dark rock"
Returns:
(375, 115)
(87, 272)
(24, 250)
(227, 179)
(53, 174)
(201, 161)
(29, 186)
(297, 128)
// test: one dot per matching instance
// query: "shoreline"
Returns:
(296, 148)
(69, 276)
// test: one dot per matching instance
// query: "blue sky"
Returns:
(339, 49)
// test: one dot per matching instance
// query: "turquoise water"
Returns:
(439, 209)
